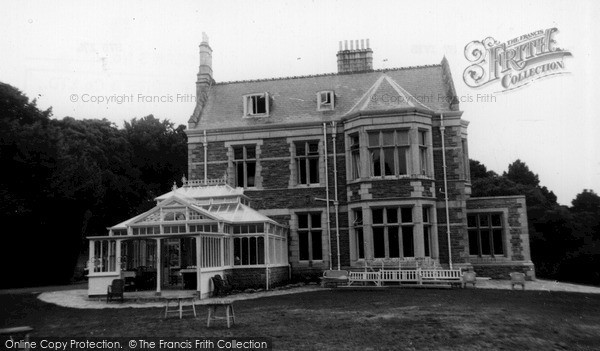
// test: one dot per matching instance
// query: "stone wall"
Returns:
(503, 271)
(254, 278)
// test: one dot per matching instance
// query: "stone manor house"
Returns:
(292, 176)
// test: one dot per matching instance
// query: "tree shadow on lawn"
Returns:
(458, 319)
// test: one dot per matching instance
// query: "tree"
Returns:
(65, 180)
(518, 172)
(28, 155)
(160, 152)
(586, 201)
(479, 170)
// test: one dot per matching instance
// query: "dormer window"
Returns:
(256, 105)
(325, 100)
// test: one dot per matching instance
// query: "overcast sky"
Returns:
(78, 50)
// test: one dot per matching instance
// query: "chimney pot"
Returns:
(356, 58)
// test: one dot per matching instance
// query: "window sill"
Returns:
(309, 263)
(307, 186)
(247, 266)
(487, 259)
(259, 115)
(102, 274)
(394, 177)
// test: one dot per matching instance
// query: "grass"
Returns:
(391, 319)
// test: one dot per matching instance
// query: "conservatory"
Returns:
(193, 233)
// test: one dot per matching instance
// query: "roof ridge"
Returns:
(327, 74)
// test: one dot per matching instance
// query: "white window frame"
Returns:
(244, 162)
(401, 227)
(397, 148)
(355, 162)
(306, 160)
(308, 231)
(325, 105)
(358, 229)
(249, 112)
(491, 227)
(423, 141)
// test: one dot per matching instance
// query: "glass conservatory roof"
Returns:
(170, 207)
(216, 193)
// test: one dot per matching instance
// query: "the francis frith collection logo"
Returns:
(515, 63)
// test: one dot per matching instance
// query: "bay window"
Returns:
(389, 152)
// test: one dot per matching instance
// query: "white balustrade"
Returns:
(419, 276)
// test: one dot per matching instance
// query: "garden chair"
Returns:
(517, 278)
(221, 287)
(469, 278)
(334, 277)
(115, 290)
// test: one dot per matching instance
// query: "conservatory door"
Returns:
(172, 263)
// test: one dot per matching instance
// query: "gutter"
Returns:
(335, 201)
(327, 193)
(442, 129)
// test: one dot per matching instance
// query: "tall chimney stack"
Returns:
(203, 82)
(205, 73)
(355, 59)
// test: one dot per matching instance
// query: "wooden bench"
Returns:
(335, 277)
(453, 277)
(213, 308)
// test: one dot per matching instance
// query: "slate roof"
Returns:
(294, 99)
(386, 95)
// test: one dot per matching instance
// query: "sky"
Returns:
(120, 60)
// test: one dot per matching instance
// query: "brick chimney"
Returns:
(205, 72)
(355, 58)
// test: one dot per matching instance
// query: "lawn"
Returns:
(391, 319)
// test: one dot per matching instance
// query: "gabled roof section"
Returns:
(293, 100)
(386, 95)
(228, 212)
(153, 215)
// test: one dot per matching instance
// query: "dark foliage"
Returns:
(65, 180)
